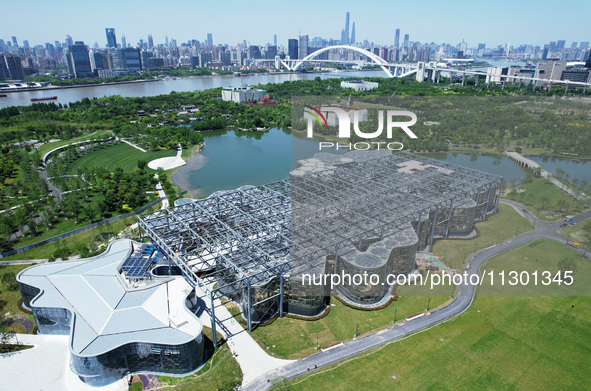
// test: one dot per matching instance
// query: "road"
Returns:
(460, 304)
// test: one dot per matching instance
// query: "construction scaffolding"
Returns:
(250, 244)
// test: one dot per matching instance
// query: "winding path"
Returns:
(460, 304)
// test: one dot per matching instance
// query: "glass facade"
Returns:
(462, 219)
(264, 300)
(109, 367)
(363, 263)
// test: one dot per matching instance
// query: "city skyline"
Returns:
(374, 21)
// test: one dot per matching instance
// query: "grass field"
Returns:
(117, 155)
(46, 251)
(221, 372)
(504, 225)
(56, 144)
(576, 233)
(541, 255)
(9, 299)
(295, 338)
(540, 190)
(499, 343)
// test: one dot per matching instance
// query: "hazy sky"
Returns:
(491, 22)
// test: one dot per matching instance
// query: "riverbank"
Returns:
(52, 87)
(194, 161)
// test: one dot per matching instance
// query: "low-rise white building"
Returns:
(242, 94)
(359, 85)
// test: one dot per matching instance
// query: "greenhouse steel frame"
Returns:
(250, 235)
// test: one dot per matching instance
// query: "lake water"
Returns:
(67, 95)
(493, 164)
(580, 170)
(232, 159)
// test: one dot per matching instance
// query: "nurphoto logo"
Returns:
(344, 120)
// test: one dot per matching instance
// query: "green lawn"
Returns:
(504, 225)
(46, 251)
(9, 299)
(221, 372)
(56, 144)
(295, 338)
(578, 233)
(499, 343)
(117, 155)
(541, 256)
(544, 200)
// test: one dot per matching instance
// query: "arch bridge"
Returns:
(399, 70)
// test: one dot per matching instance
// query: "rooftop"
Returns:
(330, 203)
(108, 310)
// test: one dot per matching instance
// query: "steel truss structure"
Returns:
(252, 240)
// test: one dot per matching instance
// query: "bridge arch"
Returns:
(377, 60)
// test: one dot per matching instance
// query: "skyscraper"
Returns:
(254, 52)
(346, 30)
(14, 41)
(150, 41)
(397, 39)
(123, 42)
(69, 41)
(275, 40)
(79, 60)
(406, 41)
(292, 49)
(111, 38)
(303, 51)
(352, 41)
(11, 68)
(209, 40)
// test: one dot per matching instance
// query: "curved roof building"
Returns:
(121, 318)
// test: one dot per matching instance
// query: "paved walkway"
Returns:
(253, 360)
(44, 367)
(168, 162)
(133, 145)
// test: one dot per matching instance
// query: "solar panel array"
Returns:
(138, 266)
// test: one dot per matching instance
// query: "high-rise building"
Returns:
(209, 40)
(79, 60)
(292, 49)
(584, 45)
(111, 38)
(69, 41)
(352, 41)
(133, 60)
(275, 40)
(588, 63)
(26, 43)
(254, 52)
(560, 44)
(14, 41)
(346, 30)
(123, 42)
(96, 61)
(271, 52)
(397, 39)
(11, 68)
(406, 41)
(545, 53)
(303, 47)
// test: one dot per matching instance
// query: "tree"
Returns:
(544, 202)
(567, 264)
(141, 164)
